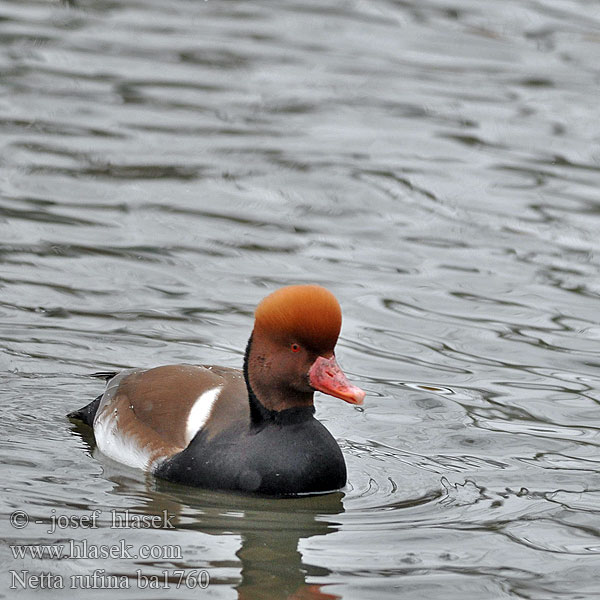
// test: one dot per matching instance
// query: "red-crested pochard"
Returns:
(222, 428)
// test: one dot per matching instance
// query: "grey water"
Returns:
(165, 165)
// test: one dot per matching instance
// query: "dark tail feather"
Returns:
(87, 413)
(106, 375)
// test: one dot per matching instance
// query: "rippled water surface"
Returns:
(164, 165)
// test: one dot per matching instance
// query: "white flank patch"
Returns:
(200, 412)
(110, 441)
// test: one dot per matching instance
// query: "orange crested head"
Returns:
(309, 314)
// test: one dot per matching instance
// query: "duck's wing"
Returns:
(145, 416)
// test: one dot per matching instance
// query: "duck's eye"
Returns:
(295, 348)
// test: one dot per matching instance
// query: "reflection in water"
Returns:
(272, 566)
(270, 563)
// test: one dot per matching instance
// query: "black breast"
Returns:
(278, 458)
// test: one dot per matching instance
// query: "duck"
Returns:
(251, 430)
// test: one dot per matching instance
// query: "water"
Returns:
(164, 165)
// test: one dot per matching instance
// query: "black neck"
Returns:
(260, 415)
